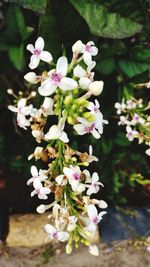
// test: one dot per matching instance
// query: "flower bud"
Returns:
(33, 94)
(10, 91)
(70, 120)
(77, 47)
(68, 248)
(68, 100)
(102, 204)
(31, 77)
(96, 87)
(41, 208)
(93, 250)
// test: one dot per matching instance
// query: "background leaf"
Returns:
(105, 23)
(35, 5)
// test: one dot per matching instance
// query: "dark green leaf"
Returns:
(35, 5)
(132, 68)
(16, 55)
(104, 23)
(121, 139)
(106, 66)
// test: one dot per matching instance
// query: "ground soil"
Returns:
(26, 249)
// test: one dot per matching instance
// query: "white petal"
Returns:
(50, 229)
(96, 134)
(87, 58)
(92, 211)
(59, 179)
(68, 172)
(30, 47)
(62, 66)
(94, 51)
(91, 228)
(21, 102)
(80, 129)
(148, 152)
(31, 77)
(39, 44)
(93, 250)
(63, 236)
(47, 88)
(34, 62)
(77, 47)
(46, 56)
(34, 171)
(68, 84)
(84, 82)
(64, 137)
(100, 215)
(79, 71)
(12, 108)
(95, 177)
(48, 103)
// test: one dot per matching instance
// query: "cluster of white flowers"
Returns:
(74, 214)
(133, 115)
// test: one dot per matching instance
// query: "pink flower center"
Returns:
(90, 128)
(88, 48)
(55, 235)
(56, 78)
(37, 52)
(76, 176)
(95, 220)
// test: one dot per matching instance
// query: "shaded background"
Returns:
(121, 31)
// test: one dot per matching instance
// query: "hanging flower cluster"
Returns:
(64, 91)
(133, 115)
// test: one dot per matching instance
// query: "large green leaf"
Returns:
(132, 68)
(16, 55)
(103, 22)
(15, 28)
(35, 5)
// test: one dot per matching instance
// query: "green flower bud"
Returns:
(70, 120)
(68, 100)
(75, 91)
(74, 107)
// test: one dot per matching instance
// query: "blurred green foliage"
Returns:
(121, 30)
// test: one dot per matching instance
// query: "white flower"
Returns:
(91, 158)
(72, 223)
(32, 77)
(74, 175)
(131, 104)
(84, 81)
(89, 50)
(41, 191)
(38, 53)
(123, 121)
(148, 152)
(38, 135)
(60, 179)
(86, 127)
(22, 110)
(93, 250)
(41, 176)
(96, 87)
(54, 234)
(37, 153)
(95, 184)
(120, 107)
(131, 134)
(47, 107)
(77, 48)
(137, 119)
(57, 79)
(95, 218)
(56, 132)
